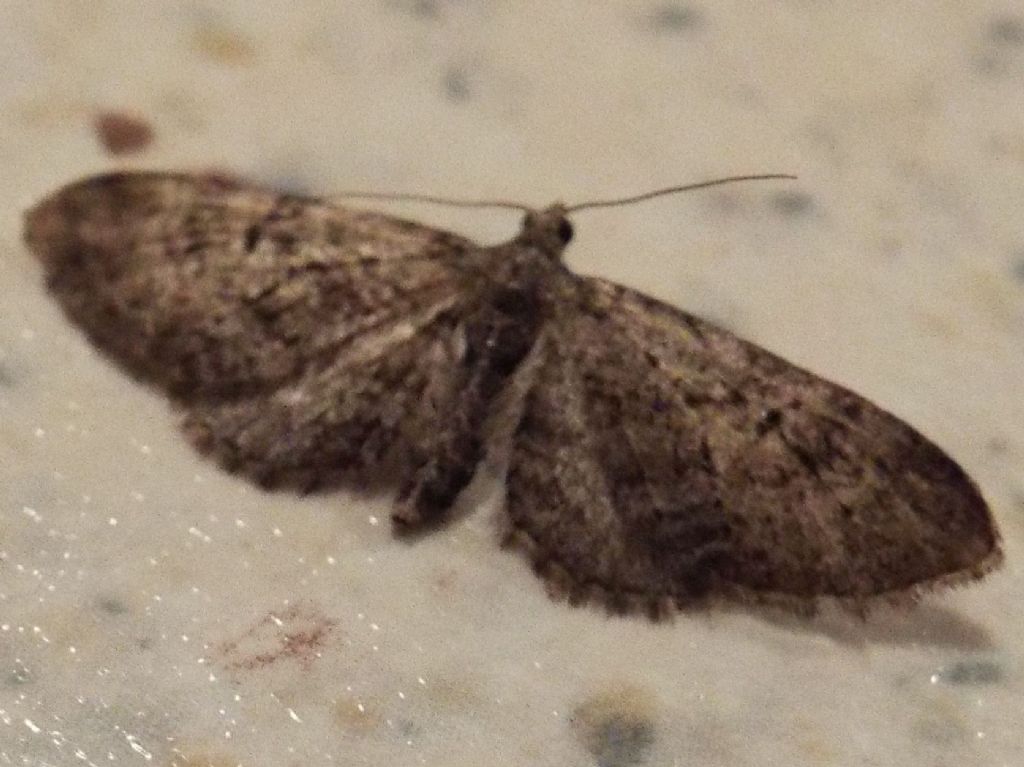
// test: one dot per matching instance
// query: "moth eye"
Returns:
(564, 231)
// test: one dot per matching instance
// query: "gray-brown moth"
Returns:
(653, 460)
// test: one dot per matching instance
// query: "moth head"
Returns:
(548, 230)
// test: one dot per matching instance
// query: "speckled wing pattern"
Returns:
(661, 460)
(300, 337)
(654, 461)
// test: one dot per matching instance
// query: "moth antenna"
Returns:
(433, 200)
(674, 190)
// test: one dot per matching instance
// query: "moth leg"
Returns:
(497, 339)
(454, 454)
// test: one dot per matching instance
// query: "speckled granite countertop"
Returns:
(155, 610)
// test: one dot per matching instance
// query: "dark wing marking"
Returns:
(209, 287)
(661, 460)
(382, 400)
(304, 340)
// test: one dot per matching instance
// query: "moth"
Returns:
(653, 461)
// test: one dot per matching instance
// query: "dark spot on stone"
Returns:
(973, 672)
(111, 606)
(791, 203)
(989, 65)
(620, 741)
(223, 45)
(6, 378)
(659, 405)
(456, 84)
(1017, 269)
(616, 727)
(422, 9)
(998, 445)
(122, 133)
(672, 18)
(1007, 30)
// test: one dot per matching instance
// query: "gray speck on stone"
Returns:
(1006, 30)
(998, 445)
(618, 740)
(791, 203)
(972, 672)
(1018, 267)
(623, 742)
(456, 84)
(672, 18)
(989, 64)
(428, 10)
(111, 606)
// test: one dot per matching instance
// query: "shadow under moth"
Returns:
(653, 461)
